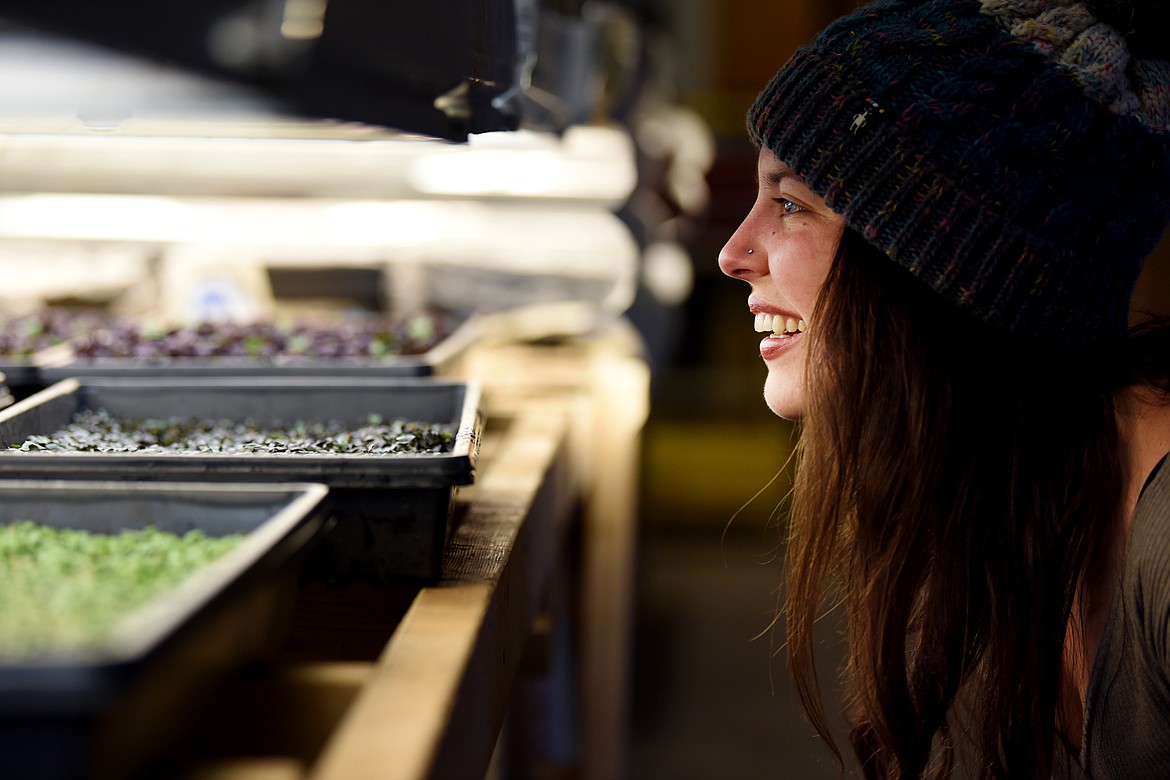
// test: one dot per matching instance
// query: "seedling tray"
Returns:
(109, 713)
(24, 336)
(19, 371)
(393, 512)
(59, 362)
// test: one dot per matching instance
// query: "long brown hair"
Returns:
(954, 484)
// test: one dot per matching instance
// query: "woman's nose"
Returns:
(738, 258)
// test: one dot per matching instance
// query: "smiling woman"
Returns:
(980, 434)
(796, 236)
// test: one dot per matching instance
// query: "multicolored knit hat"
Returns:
(1012, 154)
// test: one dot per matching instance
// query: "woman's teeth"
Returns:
(778, 325)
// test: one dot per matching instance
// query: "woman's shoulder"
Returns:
(1127, 725)
(1146, 571)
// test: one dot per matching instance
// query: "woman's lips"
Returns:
(773, 347)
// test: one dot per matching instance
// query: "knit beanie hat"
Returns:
(1012, 154)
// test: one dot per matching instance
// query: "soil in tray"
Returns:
(367, 337)
(65, 590)
(98, 431)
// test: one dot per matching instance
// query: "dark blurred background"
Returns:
(712, 697)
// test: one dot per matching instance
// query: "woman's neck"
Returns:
(1143, 419)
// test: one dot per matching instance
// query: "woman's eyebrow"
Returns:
(773, 177)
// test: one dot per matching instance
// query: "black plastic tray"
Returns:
(59, 362)
(394, 511)
(108, 714)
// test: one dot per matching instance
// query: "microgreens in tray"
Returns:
(98, 431)
(66, 589)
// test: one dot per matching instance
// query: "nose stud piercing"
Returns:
(750, 251)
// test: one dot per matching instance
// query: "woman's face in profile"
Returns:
(783, 249)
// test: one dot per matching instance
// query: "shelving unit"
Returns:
(414, 683)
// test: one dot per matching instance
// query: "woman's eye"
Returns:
(788, 206)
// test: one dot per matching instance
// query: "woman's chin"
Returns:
(784, 396)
